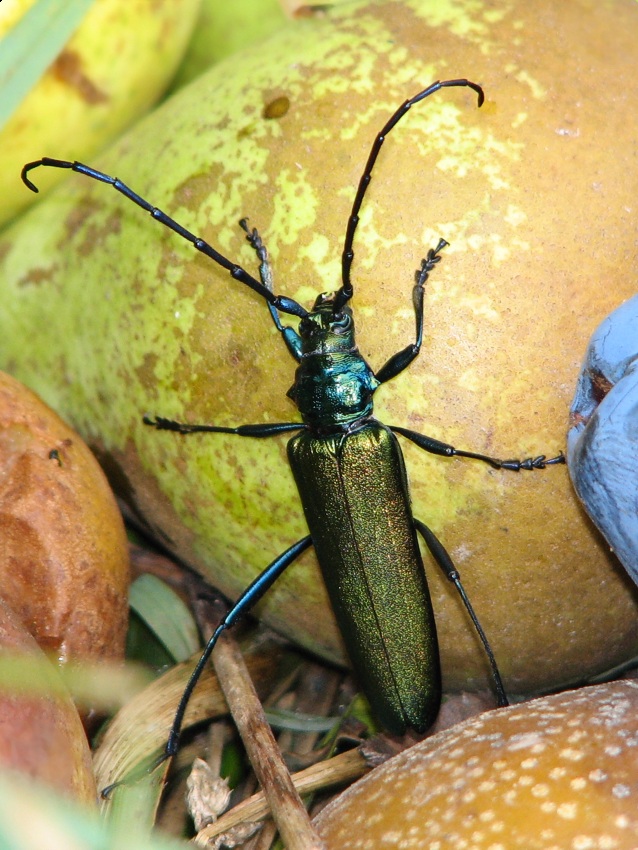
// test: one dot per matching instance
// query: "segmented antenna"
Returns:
(344, 294)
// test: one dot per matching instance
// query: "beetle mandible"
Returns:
(350, 474)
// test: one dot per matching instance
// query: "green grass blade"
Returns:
(297, 721)
(166, 615)
(33, 817)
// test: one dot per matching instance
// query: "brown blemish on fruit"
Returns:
(600, 385)
(68, 69)
(277, 108)
(312, 10)
(38, 275)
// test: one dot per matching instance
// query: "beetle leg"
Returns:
(443, 559)
(249, 598)
(399, 361)
(246, 601)
(436, 447)
(258, 430)
(291, 337)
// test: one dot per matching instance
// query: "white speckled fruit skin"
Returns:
(558, 773)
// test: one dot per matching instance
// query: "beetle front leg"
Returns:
(436, 447)
(290, 336)
(399, 361)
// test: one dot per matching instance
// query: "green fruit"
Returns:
(224, 28)
(109, 316)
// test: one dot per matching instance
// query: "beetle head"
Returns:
(323, 331)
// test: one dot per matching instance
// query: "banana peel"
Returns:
(113, 69)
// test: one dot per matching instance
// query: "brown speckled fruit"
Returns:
(64, 565)
(558, 773)
(41, 734)
(536, 193)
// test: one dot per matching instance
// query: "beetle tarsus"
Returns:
(530, 463)
(161, 423)
(143, 769)
(433, 257)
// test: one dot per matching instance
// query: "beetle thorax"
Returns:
(333, 384)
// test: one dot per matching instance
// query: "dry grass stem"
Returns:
(335, 771)
(284, 801)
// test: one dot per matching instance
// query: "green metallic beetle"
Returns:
(351, 477)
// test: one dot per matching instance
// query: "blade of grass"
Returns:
(166, 615)
(33, 817)
(102, 685)
(297, 721)
(32, 45)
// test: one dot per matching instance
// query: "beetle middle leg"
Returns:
(436, 447)
(161, 423)
(443, 559)
(399, 361)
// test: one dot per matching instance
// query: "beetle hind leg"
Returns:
(247, 600)
(443, 559)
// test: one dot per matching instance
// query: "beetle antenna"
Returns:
(344, 294)
(278, 302)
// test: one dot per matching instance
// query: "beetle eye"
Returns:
(341, 322)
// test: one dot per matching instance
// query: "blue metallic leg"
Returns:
(441, 556)
(436, 447)
(246, 601)
(259, 430)
(402, 359)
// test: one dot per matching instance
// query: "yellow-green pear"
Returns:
(224, 28)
